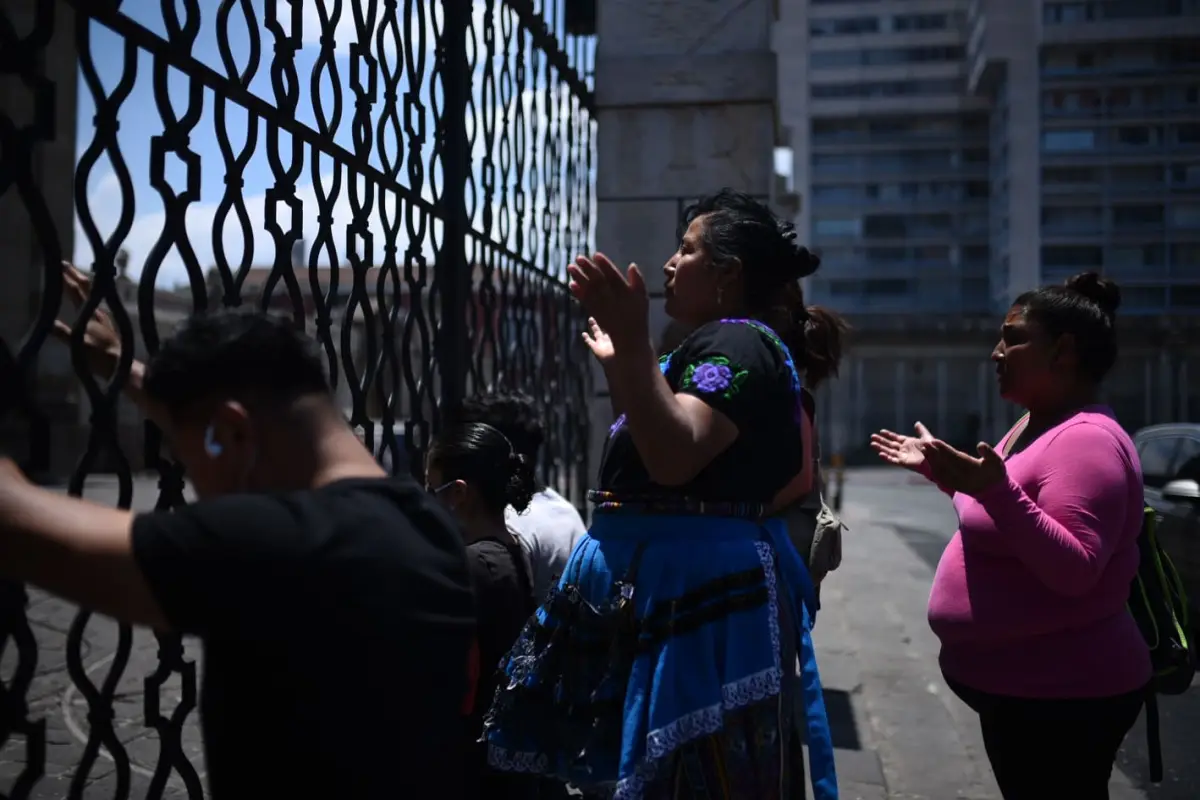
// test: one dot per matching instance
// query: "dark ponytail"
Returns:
(521, 482)
(482, 457)
(814, 334)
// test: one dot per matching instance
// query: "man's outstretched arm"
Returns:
(79, 550)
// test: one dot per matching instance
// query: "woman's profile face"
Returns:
(1027, 362)
(691, 288)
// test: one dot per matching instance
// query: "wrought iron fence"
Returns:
(406, 179)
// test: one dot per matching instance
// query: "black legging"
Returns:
(1052, 749)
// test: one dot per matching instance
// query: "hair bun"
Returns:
(1095, 287)
(801, 263)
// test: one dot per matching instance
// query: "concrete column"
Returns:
(943, 373)
(1024, 152)
(1184, 411)
(857, 430)
(25, 252)
(685, 95)
(1148, 394)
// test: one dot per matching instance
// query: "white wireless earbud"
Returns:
(211, 445)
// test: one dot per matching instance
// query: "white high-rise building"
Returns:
(953, 153)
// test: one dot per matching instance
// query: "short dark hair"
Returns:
(1085, 306)
(484, 457)
(515, 414)
(740, 228)
(234, 352)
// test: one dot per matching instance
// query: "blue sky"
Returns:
(141, 119)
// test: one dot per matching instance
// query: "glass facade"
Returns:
(1120, 166)
(902, 229)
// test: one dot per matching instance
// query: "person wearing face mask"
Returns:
(663, 663)
(1030, 596)
(474, 470)
(309, 575)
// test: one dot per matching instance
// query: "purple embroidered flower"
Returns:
(712, 378)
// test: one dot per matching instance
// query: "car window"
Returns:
(1187, 460)
(1157, 456)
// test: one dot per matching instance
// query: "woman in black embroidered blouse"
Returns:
(662, 665)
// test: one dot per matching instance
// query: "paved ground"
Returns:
(900, 733)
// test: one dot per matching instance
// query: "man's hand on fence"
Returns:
(101, 340)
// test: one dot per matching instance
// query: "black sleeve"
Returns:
(733, 367)
(211, 565)
(489, 566)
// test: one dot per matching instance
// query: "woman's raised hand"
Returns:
(903, 451)
(598, 342)
(619, 304)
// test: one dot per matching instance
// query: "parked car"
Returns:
(1170, 457)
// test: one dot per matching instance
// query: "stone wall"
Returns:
(686, 105)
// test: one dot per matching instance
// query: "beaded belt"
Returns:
(645, 503)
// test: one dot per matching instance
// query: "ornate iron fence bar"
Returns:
(447, 135)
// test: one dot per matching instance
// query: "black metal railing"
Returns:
(406, 178)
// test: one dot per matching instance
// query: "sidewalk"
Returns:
(900, 732)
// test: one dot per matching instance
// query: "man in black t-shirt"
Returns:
(333, 602)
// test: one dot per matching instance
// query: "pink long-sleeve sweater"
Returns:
(1029, 596)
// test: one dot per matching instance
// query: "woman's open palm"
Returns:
(598, 342)
(903, 451)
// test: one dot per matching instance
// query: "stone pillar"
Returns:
(685, 95)
(47, 110)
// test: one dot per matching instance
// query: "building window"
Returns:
(922, 22)
(838, 226)
(1185, 296)
(1150, 255)
(1071, 219)
(1185, 174)
(1074, 257)
(840, 91)
(1138, 136)
(838, 193)
(1187, 134)
(1136, 175)
(1069, 176)
(884, 57)
(1185, 255)
(851, 26)
(1070, 141)
(1186, 216)
(1144, 298)
(1135, 217)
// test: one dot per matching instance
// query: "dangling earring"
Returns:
(720, 295)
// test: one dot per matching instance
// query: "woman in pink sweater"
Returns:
(1029, 597)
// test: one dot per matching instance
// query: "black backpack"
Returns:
(1159, 604)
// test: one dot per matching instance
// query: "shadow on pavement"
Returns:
(927, 546)
(842, 727)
